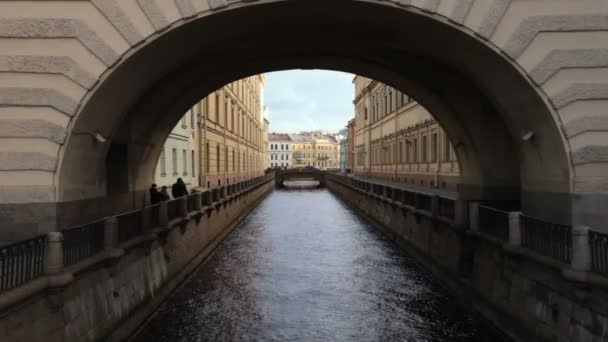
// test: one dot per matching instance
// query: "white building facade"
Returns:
(180, 158)
(280, 150)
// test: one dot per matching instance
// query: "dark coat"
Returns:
(155, 196)
(179, 190)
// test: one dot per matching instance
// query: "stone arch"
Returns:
(488, 70)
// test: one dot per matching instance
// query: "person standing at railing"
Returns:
(164, 194)
(179, 189)
(155, 195)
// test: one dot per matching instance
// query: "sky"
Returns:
(305, 100)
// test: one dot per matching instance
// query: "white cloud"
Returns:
(308, 100)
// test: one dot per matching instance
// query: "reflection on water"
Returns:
(301, 183)
(303, 267)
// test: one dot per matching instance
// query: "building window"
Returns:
(163, 163)
(193, 164)
(185, 161)
(184, 118)
(434, 147)
(447, 147)
(217, 158)
(415, 152)
(233, 162)
(174, 161)
(217, 107)
(207, 166)
(192, 113)
(226, 160)
(424, 149)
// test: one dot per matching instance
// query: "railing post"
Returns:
(110, 233)
(163, 214)
(197, 201)
(435, 206)
(581, 251)
(54, 253)
(182, 206)
(224, 192)
(515, 228)
(474, 216)
(207, 198)
(460, 212)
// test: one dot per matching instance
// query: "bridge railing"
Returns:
(581, 248)
(598, 242)
(21, 262)
(27, 260)
(546, 238)
(494, 222)
(129, 225)
(83, 242)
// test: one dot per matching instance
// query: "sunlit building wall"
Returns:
(397, 139)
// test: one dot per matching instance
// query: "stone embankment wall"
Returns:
(107, 297)
(527, 296)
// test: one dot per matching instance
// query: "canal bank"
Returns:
(304, 267)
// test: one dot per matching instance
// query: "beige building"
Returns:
(180, 155)
(233, 126)
(398, 139)
(224, 136)
(316, 150)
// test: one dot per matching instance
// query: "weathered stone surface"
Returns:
(493, 17)
(11, 161)
(38, 97)
(586, 124)
(461, 9)
(590, 154)
(580, 91)
(217, 4)
(431, 5)
(119, 19)
(186, 8)
(154, 14)
(48, 64)
(59, 28)
(531, 26)
(32, 128)
(560, 59)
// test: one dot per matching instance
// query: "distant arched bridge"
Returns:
(300, 174)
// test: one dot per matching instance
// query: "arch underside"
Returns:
(479, 67)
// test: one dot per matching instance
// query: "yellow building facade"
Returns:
(397, 139)
(230, 138)
(315, 150)
(233, 139)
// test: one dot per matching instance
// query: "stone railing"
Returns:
(578, 249)
(436, 207)
(48, 254)
(581, 253)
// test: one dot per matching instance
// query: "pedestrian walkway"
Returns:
(408, 187)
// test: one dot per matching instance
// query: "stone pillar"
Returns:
(460, 212)
(110, 234)
(474, 215)
(435, 206)
(515, 228)
(54, 253)
(163, 214)
(198, 197)
(182, 206)
(224, 192)
(581, 250)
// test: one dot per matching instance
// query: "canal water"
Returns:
(304, 267)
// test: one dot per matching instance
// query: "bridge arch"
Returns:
(489, 71)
